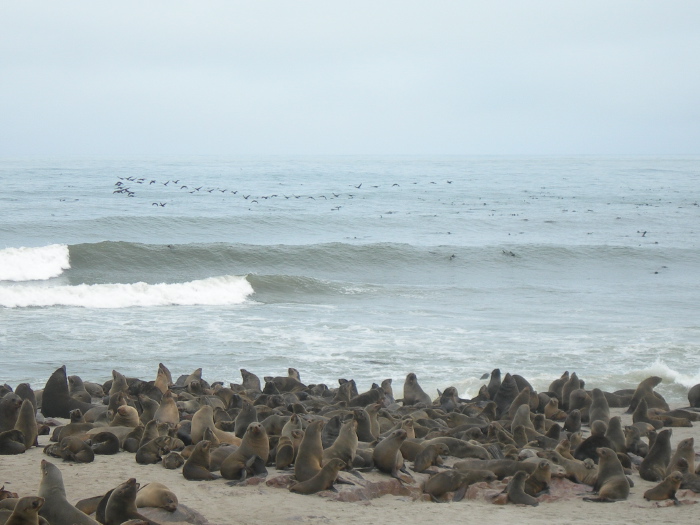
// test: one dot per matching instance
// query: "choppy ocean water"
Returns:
(362, 267)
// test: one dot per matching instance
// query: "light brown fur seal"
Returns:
(196, 467)
(255, 444)
(666, 489)
(612, 484)
(310, 454)
(156, 495)
(26, 511)
(323, 480)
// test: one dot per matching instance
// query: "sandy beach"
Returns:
(268, 500)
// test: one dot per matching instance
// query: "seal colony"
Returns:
(508, 445)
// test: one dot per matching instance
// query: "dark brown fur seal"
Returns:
(429, 456)
(438, 485)
(653, 467)
(686, 450)
(516, 490)
(196, 467)
(26, 423)
(56, 400)
(11, 443)
(323, 480)
(413, 394)
(121, 505)
(10, 405)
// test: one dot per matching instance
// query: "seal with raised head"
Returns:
(429, 456)
(121, 505)
(26, 423)
(323, 480)
(255, 444)
(387, 454)
(196, 466)
(310, 453)
(10, 405)
(345, 445)
(56, 400)
(413, 394)
(653, 466)
(612, 484)
(685, 449)
(56, 508)
(516, 490)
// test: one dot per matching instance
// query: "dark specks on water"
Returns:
(328, 288)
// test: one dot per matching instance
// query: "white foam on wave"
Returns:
(214, 291)
(33, 264)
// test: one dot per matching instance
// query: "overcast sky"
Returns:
(360, 77)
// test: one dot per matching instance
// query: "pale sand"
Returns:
(223, 505)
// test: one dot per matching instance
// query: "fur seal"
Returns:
(203, 419)
(167, 411)
(413, 394)
(494, 383)
(157, 495)
(26, 511)
(666, 489)
(284, 453)
(56, 400)
(56, 508)
(250, 381)
(686, 450)
(599, 409)
(196, 467)
(615, 435)
(121, 504)
(438, 485)
(429, 456)
(10, 406)
(104, 443)
(597, 439)
(645, 390)
(387, 454)
(172, 460)
(516, 490)
(653, 466)
(310, 454)
(245, 417)
(26, 423)
(612, 484)
(72, 448)
(323, 480)
(345, 445)
(690, 479)
(507, 391)
(255, 444)
(11, 443)
(538, 482)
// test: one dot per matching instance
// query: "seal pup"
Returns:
(255, 444)
(196, 466)
(653, 466)
(26, 511)
(612, 484)
(690, 479)
(323, 480)
(104, 443)
(11, 443)
(413, 394)
(56, 508)
(597, 439)
(309, 458)
(157, 495)
(439, 484)
(666, 489)
(429, 456)
(516, 490)
(203, 419)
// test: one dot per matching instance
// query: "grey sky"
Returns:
(325, 77)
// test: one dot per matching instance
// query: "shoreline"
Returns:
(221, 504)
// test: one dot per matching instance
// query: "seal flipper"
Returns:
(460, 493)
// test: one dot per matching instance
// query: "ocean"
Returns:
(353, 267)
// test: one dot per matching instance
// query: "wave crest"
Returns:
(219, 291)
(33, 264)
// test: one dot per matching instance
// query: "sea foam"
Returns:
(220, 291)
(33, 264)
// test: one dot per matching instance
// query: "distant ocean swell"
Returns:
(126, 262)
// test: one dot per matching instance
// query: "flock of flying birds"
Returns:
(127, 187)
